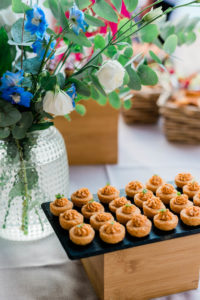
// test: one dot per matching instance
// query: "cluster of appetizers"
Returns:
(158, 201)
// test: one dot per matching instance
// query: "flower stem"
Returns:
(26, 195)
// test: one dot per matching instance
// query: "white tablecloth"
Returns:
(41, 270)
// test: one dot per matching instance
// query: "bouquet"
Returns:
(36, 83)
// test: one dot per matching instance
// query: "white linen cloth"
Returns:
(40, 270)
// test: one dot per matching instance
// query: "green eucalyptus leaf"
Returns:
(93, 21)
(16, 33)
(31, 65)
(19, 7)
(60, 80)
(149, 33)
(80, 108)
(97, 84)
(190, 38)
(181, 38)
(117, 4)
(102, 100)
(127, 104)
(83, 3)
(5, 52)
(99, 42)
(131, 4)
(167, 30)
(147, 75)
(20, 129)
(127, 29)
(80, 39)
(114, 100)
(134, 80)
(49, 82)
(128, 52)
(104, 10)
(81, 87)
(123, 60)
(126, 78)
(4, 132)
(40, 126)
(170, 44)
(9, 115)
(155, 57)
(94, 93)
(111, 51)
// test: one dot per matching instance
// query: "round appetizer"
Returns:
(81, 197)
(191, 216)
(139, 226)
(191, 189)
(133, 188)
(142, 197)
(99, 219)
(152, 206)
(118, 202)
(60, 204)
(165, 220)
(166, 192)
(126, 212)
(180, 202)
(82, 234)
(154, 183)
(91, 208)
(112, 232)
(182, 179)
(196, 199)
(108, 193)
(70, 218)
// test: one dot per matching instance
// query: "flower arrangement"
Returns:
(36, 86)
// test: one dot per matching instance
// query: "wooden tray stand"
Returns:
(146, 272)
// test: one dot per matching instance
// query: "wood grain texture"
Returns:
(92, 139)
(148, 271)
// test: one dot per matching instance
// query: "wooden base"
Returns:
(92, 139)
(146, 272)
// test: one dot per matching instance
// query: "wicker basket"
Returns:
(181, 114)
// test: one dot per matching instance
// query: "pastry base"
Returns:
(122, 275)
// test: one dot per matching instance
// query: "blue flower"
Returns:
(76, 17)
(36, 22)
(11, 79)
(39, 47)
(72, 93)
(17, 95)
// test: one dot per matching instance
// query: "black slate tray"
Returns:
(99, 247)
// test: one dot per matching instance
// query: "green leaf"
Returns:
(40, 126)
(9, 115)
(190, 38)
(81, 87)
(126, 78)
(155, 57)
(20, 129)
(99, 42)
(5, 3)
(170, 44)
(181, 38)
(62, 20)
(83, 3)
(127, 104)
(19, 7)
(49, 82)
(5, 52)
(131, 4)
(16, 33)
(80, 39)
(117, 4)
(80, 108)
(53, 5)
(134, 79)
(129, 28)
(114, 100)
(147, 75)
(111, 51)
(102, 100)
(104, 10)
(94, 93)
(123, 60)
(4, 132)
(97, 84)
(31, 65)
(149, 33)
(128, 52)
(60, 80)
(93, 21)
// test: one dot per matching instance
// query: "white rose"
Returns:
(111, 75)
(58, 103)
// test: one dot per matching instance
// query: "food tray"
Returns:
(99, 247)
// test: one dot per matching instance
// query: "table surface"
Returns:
(41, 270)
